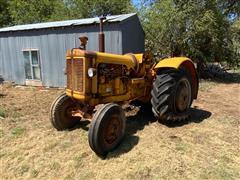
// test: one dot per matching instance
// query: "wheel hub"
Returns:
(183, 95)
(112, 130)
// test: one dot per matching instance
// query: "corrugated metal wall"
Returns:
(132, 38)
(52, 45)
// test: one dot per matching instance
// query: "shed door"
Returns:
(32, 64)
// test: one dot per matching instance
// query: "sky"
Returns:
(135, 2)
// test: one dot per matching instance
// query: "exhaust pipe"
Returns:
(83, 42)
(101, 38)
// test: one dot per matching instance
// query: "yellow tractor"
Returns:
(95, 78)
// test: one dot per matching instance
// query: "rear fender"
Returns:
(180, 63)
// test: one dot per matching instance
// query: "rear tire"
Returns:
(107, 129)
(60, 114)
(171, 96)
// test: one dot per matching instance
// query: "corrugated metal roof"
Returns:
(76, 22)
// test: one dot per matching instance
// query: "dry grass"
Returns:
(205, 147)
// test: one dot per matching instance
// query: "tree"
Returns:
(230, 8)
(95, 8)
(34, 11)
(198, 29)
(5, 18)
(235, 45)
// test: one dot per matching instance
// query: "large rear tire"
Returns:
(107, 129)
(171, 96)
(61, 113)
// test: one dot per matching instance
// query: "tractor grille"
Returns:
(69, 74)
(75, 74)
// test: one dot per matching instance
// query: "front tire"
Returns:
(107, 129)
(171, 96)
(61, 113)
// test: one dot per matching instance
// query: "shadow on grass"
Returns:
(196, 116)
(137, 122)
(82, 124)
(145, 117)
(134, 124)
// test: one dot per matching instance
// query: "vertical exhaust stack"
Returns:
(83, 42)
(101, 37)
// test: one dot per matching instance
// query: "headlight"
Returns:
(92, 72)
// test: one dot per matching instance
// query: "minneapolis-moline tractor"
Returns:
(95, 78)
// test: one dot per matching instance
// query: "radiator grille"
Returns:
(69, 74)
(75, 74)
(78, 75)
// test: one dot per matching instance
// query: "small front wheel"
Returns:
(61, 113)
(107, 129)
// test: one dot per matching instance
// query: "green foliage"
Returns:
(100, 7)
(35, 11)
(2, 113)
(229, 8)
(235, 45)
(18, 131)
(5, 18)
(198, 29)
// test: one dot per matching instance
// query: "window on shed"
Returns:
(32, 64)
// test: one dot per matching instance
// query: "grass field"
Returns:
(205, 147)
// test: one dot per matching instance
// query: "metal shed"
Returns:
(34, 54)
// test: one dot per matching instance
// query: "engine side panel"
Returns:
(112, 79)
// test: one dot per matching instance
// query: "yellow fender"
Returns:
(180, 63)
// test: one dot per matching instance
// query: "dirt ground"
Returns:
(205, 147)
